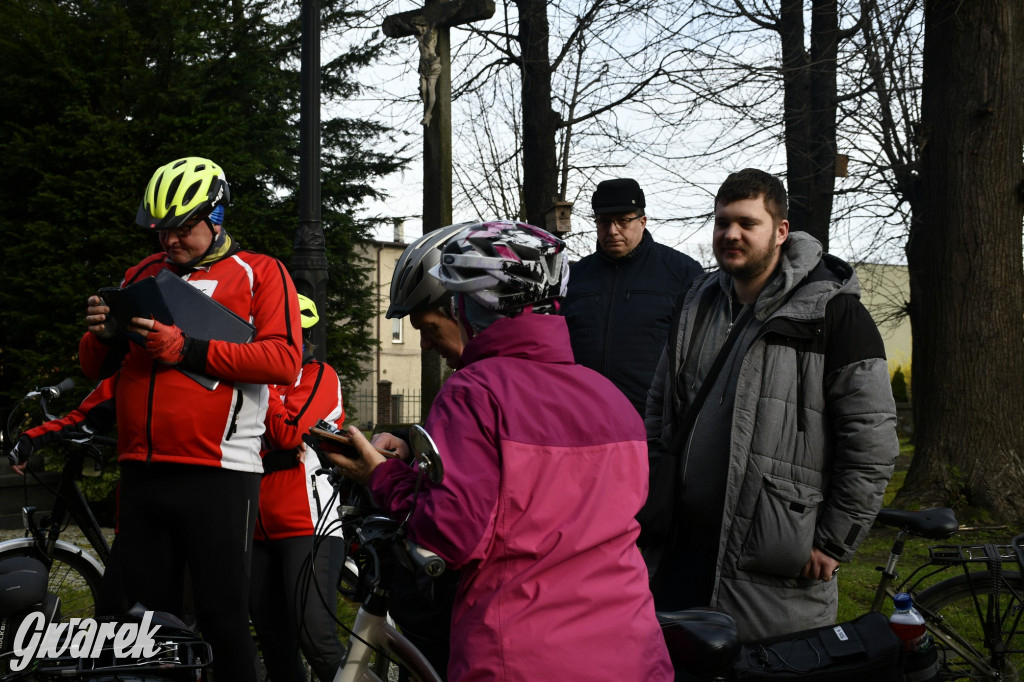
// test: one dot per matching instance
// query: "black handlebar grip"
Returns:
(425, 560)
(53, 392)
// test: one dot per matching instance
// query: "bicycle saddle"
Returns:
(701, 641)
(161, 618)
(934, 524)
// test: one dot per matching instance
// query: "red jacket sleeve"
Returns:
(275, 354)
(96, 411)
(315, 396)
(254, 286)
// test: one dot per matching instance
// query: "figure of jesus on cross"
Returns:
(430, 65)
(425, 24)
(430, 24)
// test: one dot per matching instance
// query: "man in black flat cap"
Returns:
(621, 298)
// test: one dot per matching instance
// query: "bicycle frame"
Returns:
(372, 632)
(381, 544)
(886, 590)
(69, 504)
(376, 545)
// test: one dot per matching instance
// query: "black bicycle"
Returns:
(377, 547)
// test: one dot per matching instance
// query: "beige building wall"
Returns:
(397, 358)
(885, 293)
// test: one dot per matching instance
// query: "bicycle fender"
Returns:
(29, 544)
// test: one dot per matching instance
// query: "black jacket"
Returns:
(619, 312)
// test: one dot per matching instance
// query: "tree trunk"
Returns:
(540, 175)
(964, 256)
(809, 103)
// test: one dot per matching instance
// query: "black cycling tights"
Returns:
(292, 610)
(173, 516)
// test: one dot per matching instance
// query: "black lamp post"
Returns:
(309, 262)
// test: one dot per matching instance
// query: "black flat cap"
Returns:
(621, 195)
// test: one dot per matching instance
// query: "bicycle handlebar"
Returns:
(372, 537)
(81, 435)
(424, 560)
(14, 456)
(52, 392)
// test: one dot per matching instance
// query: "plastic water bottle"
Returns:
(920, 657)
(906, 622)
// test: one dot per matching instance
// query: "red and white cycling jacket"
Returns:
(162, 414)
(293, 499)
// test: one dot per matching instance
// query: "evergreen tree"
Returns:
(96, 94)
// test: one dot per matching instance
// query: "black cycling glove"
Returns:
(21, 451)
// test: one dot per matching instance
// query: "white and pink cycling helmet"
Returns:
(505, 266)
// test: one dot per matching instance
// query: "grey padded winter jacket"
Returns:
(813, 441)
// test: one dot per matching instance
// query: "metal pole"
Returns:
(309, 262)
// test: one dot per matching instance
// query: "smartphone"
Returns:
(340, 443)
(120, 314)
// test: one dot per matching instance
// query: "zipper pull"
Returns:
(316, 495)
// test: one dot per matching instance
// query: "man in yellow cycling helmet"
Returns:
(189, 455)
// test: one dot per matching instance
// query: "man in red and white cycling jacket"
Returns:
(190, 457)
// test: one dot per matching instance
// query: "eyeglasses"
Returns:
(183, 231)
(621, 223)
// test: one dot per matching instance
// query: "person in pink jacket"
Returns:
(545, 469)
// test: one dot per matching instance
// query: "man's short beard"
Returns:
(754, 266)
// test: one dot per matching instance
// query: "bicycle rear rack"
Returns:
(958, 555)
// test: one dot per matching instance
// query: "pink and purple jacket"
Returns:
(545, 469)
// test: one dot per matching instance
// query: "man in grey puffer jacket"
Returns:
(785, 465)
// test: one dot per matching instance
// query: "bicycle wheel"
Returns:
(962, 603)
(74, 575)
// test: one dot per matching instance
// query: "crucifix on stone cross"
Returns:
(430, 24)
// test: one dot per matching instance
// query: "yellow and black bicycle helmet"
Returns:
(307, 312)
(182, 190)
